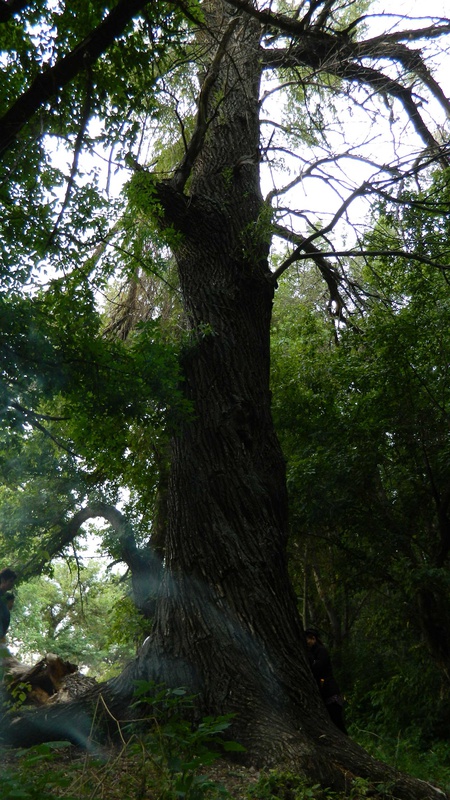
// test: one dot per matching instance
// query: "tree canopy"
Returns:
(76, 613)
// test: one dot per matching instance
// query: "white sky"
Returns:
(318, 197)
(313, 193)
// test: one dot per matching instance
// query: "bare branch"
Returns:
(46, 417)
(293, 26)
(335, 64)
(86, 112)
(324, 14)
(412, 34)
(406, 254)
(411, 60)
(339, 55)
(335, 281)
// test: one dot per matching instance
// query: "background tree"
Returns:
(81, 615)
(226, 623)
(367, 468)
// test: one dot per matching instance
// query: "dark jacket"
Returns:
(321, 668)
(5, 617)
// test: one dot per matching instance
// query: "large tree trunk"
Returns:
(227, 625)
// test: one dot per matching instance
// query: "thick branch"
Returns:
(413, 34)
(33, 415)
(296, 27)
(145, 565)
(339, 55)
(267, 17)
(47, 83)
(67, 532)
(411, 60)
(329, 60)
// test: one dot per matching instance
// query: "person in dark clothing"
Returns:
(7, 581)
(8, 600)
(320, 663)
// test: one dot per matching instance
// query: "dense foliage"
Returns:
(363, 418)
(82, 615)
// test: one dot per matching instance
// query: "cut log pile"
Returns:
(50, 680)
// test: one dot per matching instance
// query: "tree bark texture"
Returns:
(227, 623)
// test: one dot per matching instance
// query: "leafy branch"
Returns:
(47, 83)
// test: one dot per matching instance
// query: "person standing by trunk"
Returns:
(7, 580)
(8, 599)
(322, 670)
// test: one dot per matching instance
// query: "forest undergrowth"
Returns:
(161, 756)
(60, 770)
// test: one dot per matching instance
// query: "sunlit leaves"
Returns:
(76, 613)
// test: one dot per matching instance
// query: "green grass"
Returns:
(135, 771)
